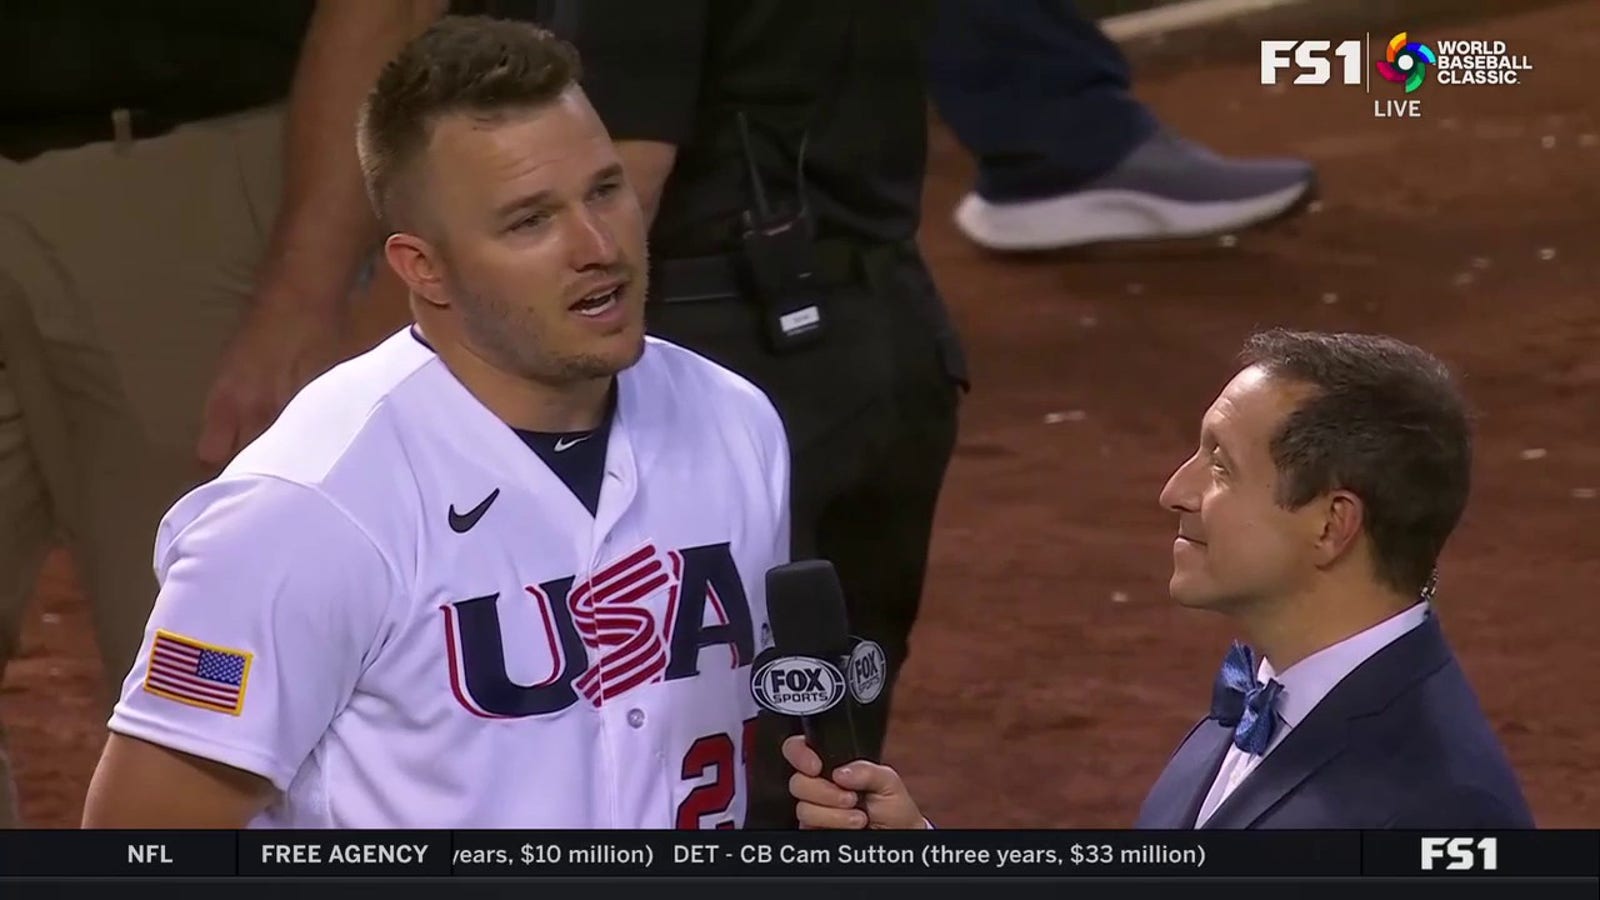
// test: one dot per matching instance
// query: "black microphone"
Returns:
(816, 671)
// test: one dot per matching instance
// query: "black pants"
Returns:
(871, 417)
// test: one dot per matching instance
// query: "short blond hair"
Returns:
(478, 65)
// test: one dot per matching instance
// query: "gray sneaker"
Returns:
(1166, 188)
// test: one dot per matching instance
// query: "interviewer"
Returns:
(1329, 474)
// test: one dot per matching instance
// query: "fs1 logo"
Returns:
(1464, 853)
(1312, 60)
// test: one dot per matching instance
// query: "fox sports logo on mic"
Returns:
(797, 685)
(866, 671)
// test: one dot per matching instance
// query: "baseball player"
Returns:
(506, 568)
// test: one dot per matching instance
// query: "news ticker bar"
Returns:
(611, 854)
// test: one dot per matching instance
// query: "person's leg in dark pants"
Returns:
(866, 479)
(1036, 92)
(822, 467)
(838, 407)
(1066, 155)
(878, 529)
(877, 538)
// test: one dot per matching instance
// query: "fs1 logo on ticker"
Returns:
(1464, 854)
(1403, 62)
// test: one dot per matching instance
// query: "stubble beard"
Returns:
(510, 342)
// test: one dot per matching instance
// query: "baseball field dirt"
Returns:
(1050, 675)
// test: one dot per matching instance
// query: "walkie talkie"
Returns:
(778, 252)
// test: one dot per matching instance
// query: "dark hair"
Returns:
(463, 64)
(1387, 423)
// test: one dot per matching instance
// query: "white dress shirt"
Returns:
(1304, 685)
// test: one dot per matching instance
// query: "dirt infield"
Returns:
(1050, 675)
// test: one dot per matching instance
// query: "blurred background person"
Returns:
(780, 146)
(1066, 155)
(182, 223)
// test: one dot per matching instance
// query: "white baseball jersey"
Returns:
(392, 609)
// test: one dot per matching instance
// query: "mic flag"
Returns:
(816, 670)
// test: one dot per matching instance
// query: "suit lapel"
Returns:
(1174, 800)
(1325, 732)
(1306, 749)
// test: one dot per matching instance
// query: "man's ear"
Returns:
(1343, 519)
(417, 264)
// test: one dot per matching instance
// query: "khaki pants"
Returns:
(124, 268)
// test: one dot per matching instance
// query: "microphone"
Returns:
(816, 671)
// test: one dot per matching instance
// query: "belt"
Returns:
(24, 140)
(697, 279)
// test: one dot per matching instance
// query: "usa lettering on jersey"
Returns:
(634, 642)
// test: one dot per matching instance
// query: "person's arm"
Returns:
(138, 784)
(324, 229)
(642, 68)
(271, 602)
(646, 164)
(324, 226)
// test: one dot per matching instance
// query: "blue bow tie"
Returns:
(1237, 699)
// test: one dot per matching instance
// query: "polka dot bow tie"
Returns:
(1238, 700)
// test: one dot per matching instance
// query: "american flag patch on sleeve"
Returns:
(185, 670)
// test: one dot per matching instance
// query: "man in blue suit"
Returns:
(1329, 473)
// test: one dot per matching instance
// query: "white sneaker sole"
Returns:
(1093, 217)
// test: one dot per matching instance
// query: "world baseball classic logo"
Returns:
(1406, 62)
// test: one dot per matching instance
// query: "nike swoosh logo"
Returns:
(461, 523)
(569, 443)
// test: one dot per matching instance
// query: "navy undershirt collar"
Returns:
(578, 458)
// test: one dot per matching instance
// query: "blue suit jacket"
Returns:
(1401, 742)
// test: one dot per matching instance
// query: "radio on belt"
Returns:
(779, 257)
